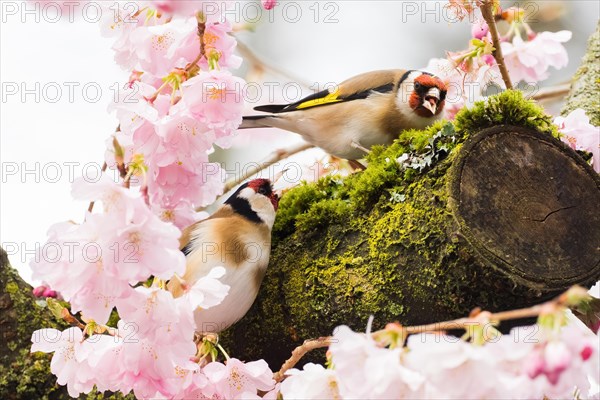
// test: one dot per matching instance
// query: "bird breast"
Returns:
(243, 249)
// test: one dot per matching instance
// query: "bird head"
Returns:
(426, 93)
(256, 201)
(262, 187)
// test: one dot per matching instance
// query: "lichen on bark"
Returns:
(23, 375)
(585, 84)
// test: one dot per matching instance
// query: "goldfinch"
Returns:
(368, 109)
(237, 237)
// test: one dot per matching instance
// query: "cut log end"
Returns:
(529, 204)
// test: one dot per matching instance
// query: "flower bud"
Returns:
(39, 291)
(269, 4)
(479, 29)
(49, 293)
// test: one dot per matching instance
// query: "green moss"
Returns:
(506, 108)
(379, 242)
(23, 375)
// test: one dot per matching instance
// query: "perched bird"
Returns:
(368, 109)
(238, 237)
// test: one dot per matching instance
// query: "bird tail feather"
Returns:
(255, 121)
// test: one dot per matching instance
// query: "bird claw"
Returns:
(358, 146)
(356, 165)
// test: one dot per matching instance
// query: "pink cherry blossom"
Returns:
(580, 134)
(39, 291)
(142, 245)
(149, 43)
(208, 291)
(93, 264)
(181, 214)
(365, 370)
(114, 197)
(185, 140)
(118, 21)
(312, 382)
(465, 87)
(529, 61)
(71, 262)
(216, 99)
(196, 388)
(149, 309)
(184, 8)
(160, 48)
(441, 359)
(66, 362)
(148, 367)
(219, 45)
(148, 247)
(235, 379)
(50, 293)
(173, 183)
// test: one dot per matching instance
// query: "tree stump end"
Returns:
(528, 204)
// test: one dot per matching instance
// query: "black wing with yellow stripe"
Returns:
(323, 98)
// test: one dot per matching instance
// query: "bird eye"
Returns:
(418, 86)
(262, 190)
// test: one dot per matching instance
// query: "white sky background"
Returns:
(42, 134)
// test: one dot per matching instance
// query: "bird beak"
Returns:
(275, 197)
(432, 98)
(279, 175)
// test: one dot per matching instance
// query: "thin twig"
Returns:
(91, 206)
(552, 92)
(275, 156)
(71, 320)
(260, 63)
(202, 53)
(299, 352)
(488, 15)
(460, 323)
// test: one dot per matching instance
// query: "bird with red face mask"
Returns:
(366, 110)
(238, 238)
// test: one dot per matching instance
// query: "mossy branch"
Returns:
(388, 241)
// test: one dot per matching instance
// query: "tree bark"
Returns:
(585, 86)
(23, 375)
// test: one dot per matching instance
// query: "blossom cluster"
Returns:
(180, 101)
(152, 351)
(130, 361)
(528, 56)
(530, 362)
(580, 134)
